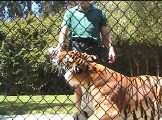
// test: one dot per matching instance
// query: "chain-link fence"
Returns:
(30, 86)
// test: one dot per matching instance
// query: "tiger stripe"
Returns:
(112, 95)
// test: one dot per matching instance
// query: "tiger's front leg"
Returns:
(105, 111)
(82, 115)
(101, 114)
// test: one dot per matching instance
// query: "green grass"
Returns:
(46, 104)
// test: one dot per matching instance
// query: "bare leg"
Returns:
(78, 96)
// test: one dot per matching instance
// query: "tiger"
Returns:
(112, 95)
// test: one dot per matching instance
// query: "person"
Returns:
(85, 22)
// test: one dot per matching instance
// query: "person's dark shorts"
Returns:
(90, 47)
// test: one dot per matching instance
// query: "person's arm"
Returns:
(61, 42)
(65, 25)
(108, 43)
(62, 38)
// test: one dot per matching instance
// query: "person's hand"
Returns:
(58, 49)
(54, 51)
(111, 56)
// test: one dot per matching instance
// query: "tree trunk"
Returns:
(137, 65)
(157, 65)
(147, 67)
(131, 69)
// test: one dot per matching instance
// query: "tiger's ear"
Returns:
(68, 58)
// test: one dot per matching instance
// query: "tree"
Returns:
(136, 29)
(51, 7)
(13, 9)
(24, 63)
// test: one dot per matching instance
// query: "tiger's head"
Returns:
(70, 60)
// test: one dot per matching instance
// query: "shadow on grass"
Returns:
(34, 108)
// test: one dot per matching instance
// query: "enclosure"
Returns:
(29, 84)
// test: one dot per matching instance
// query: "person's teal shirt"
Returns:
(85, 24)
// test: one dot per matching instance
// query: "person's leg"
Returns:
(92, 49)
(78, 96)
(75, 46)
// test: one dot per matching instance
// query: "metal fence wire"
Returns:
(31, 89)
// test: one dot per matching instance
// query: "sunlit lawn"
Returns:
(47, 104)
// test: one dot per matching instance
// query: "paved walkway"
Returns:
(36, 117)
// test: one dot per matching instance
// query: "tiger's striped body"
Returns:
(111, 94)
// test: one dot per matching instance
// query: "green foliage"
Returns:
(134, 21)
(135, 28)
(24, 63)
(21, 8)
(2, 37)
(136, 31)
